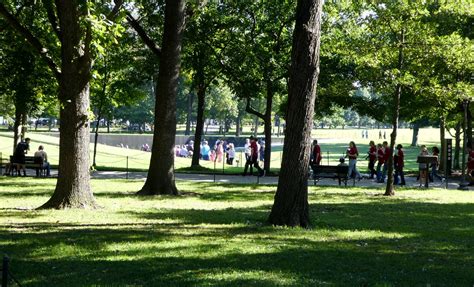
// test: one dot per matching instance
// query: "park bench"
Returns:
(331, 171)
(31, 162)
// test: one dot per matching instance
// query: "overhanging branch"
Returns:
(32, 40)
(252, 111)
(142, 33)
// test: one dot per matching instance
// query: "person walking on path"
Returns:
(434, 166)
(399, 160)
(253, 159)
(372, 158)
(352, 153)
(423, 167)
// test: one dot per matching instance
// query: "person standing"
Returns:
(253, 162)
(380, 161)
(352, 153)
(372, 158)
(19, 155)
(434, 166)
(423, 167)
(42, 154)
(231, 154)
(387, 154)
(399, 165)
(316, 153)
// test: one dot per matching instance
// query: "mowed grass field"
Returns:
(217, 235)
(333, 143)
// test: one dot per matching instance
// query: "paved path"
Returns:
(238, 179)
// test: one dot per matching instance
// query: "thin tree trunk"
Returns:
(201, 94)
(255, 127)
(389, 190)
(457, 146)
(96, 134)
(160, 179)
(189, 114)
(237, 125)
(291, 206)
(24, 125)
(414, 139)
(442, 135)
(469, 123)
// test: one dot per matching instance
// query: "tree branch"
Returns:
(142, 33)
(31, 39)
(113, 14)
(48, 4)
(250, 110)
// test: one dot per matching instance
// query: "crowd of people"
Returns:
(378, 157)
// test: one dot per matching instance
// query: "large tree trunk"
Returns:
(24, 125)
(389, 190)
(16, 128)
(291, 206)
(160, 179)
(199, 125)
(73, 185)
(268, 128)
(416, 130)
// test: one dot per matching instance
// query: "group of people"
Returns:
(220, 149)
(378, 157)
(18, 163)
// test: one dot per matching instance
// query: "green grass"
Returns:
(217, 236)
(116, 158)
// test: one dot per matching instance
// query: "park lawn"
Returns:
(216, 235)
(333, 145)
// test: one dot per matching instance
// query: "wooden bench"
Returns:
(331, 171)
(32, 162)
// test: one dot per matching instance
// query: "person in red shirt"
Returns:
(316, 153)
(352, 153)
(400, 156)
(372, 158)
(380, 159)
(253, 161)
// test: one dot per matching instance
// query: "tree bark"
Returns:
(189, 114)
(414, 139)
(24, 125)
(268, 128)
(457, 147)
(73, 185)
(469, 123)
(291, 206)
(160, 179)
(389, 190)
(201, 94)
(442, 135)
(238, 123)
(16, 128)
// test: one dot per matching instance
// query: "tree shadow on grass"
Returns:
(398, 242)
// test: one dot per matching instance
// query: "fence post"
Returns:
(1, 163)
(214, 170)
(127, 169)
(328, 157)
(5, 271)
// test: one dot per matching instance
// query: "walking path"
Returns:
(411, 182)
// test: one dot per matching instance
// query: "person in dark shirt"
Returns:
(21, 149)
(400, 156)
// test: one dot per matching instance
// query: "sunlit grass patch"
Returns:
(217, 235)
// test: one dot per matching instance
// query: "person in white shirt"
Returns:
(231, 154)
(41, 153)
